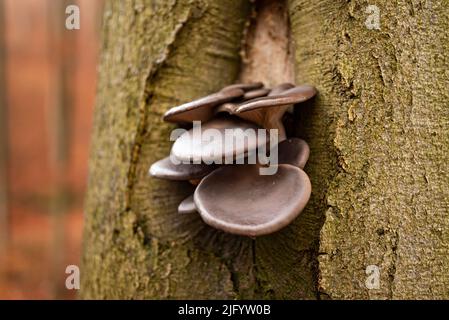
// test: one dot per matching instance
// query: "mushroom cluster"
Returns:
(236, 198)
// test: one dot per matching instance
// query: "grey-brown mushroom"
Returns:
(238, 200)
(166, 169)
(187, 206)
(212, 147)
(201, 109)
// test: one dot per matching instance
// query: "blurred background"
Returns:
(47, 94)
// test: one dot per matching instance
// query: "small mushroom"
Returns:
(201, 109)
(238, 200)
(293, 151)
(187, 206)
(211, 147)
(166, 169)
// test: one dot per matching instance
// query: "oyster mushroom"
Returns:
(293, 151)
(166, 169)
(211, 147)
(187, 206)
(238, 200)
(201, 109)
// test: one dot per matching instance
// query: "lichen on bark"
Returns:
(380, 144)
(379, 152)
(155, 54)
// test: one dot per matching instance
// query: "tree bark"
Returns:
(379, 146)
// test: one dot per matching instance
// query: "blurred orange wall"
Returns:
(50, 75)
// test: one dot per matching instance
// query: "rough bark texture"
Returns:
(156, 54)
(379, 143)
(378, 166)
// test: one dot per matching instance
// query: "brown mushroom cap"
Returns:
(187, 205)
(166, 169)
(186, 148)
(201, 109)
(293, 151)
(287, 97)
(237, 199)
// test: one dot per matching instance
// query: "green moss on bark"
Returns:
(379, 143)
(379, 153)
(155, 54)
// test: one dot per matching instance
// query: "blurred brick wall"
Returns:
(50, 76)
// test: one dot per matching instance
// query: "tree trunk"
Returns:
(379, 152)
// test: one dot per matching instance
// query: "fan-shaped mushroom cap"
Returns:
(237, 199)
(287, 97)
(187, 205)
(293, 151)
(166, 169)
(201, 109)
(211, 147)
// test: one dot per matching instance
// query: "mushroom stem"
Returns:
(273, 120)
(195, 182)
